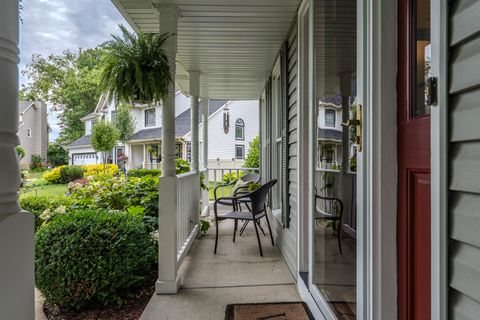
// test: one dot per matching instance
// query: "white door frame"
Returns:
(439, 160)
(377, 163)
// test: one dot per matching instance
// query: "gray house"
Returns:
(33, 130)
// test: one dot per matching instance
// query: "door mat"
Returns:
(268, 311)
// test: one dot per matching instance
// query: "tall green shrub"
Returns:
(89, 258)
(71, 173)
(253, 156)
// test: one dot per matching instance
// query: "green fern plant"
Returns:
(136, 68)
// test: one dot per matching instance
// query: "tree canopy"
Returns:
(253, 156)
(70, 82)
(104, 136)
(124, 123)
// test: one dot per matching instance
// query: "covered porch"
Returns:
(236, 274)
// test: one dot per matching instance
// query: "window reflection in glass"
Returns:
(422, 59)
(334, 272)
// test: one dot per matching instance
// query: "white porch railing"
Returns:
(217, 176)
(204, 194)
(342, 185)
(151, 165)
(328, 165)
(188, 211)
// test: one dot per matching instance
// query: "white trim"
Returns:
(308, 299)
(377, 191)
(303, 80)
(439, 161)
(31, 104)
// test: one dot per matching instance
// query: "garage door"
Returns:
(80, 159)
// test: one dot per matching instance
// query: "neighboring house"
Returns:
(33, 130)
(231, 128)
(144, 148)
(329, 145)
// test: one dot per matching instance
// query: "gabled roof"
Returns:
(82, 141)
(24, 105)
(329, 134)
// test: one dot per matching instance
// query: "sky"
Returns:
(53, 26)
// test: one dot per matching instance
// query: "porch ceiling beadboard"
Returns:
(232, 43)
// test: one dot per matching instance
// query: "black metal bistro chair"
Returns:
(248, 179)
(332, 210)
(258, 210)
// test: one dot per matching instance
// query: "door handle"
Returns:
(358, 126)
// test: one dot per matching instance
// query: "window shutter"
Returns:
(285, 157)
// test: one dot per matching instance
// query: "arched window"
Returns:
(239, 130)
(330, 117)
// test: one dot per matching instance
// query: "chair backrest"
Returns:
(255, 177)
(259, 196)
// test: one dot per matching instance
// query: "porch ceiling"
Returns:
(232, 43)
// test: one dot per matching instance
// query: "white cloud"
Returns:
(53, 26)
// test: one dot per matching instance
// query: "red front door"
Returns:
(413, 233)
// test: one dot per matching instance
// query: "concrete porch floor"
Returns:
(236, 274)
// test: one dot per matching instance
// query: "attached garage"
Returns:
(81, 159)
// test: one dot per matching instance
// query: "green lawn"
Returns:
(227, 191)
(41, 188)
(34, 175)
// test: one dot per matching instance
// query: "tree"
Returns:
(57, 155)
(124, 123)
(253, 157)
(104, 138)
(70, 83)
(20, 152)
(136, 67)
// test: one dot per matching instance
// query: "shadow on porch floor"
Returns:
(236, 274)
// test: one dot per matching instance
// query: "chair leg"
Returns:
(260, 226)
(339, 233)
(235, 229)
(270, 230)
(216, 236)
(244, 226)
(258, 238)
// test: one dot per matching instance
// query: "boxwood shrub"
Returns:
(92, 258)
(144, 172)
(70, 173)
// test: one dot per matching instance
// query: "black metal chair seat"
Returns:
(320, 214)
(241, 215)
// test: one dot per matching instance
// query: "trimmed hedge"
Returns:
(71, 173)
(144, 172)
(88, 258)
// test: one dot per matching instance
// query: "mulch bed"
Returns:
(131, 309)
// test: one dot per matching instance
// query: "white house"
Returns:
(232, 125)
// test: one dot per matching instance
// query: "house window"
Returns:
(239, 151)
(330, 118)
(29, 132)
(239, 130)
(189, 151)
(150, 117)
(112, 116)
(178, 151)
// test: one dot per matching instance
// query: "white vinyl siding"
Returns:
(286, 238)
(464, 154)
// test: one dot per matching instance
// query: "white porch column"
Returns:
(168, 280)
(144, 156)
(204, 102)
(16, 226)
(194, 98)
